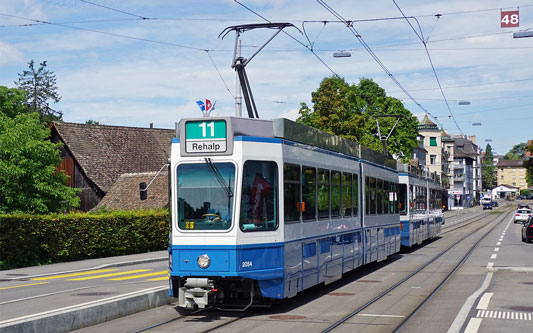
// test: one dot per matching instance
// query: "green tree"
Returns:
(487, 168)
(40, 86)
(92, 122)
(528, 164)
(12, 101)
(29, 180)
(349, 111)
(518, 152)
(336, 109)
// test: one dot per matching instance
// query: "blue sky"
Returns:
(117, 68)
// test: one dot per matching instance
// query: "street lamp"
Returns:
(523, 34)
(342, 54)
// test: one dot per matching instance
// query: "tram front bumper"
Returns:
(194, 293)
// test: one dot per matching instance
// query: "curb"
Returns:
(88, 314)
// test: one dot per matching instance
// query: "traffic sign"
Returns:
(509, 19)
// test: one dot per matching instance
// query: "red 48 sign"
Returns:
(509, 19)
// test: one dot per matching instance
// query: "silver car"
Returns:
(522, 215)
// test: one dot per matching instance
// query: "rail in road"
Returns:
(463, 223)
(294, 313)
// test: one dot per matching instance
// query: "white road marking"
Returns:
(490, 265)
(484, 301)
(473, 325)
(465, 309)
(493, 256)
(83, 305)
(496, 249)
(499, 243)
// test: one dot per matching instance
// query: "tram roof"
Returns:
(290, 130)
(293, 131)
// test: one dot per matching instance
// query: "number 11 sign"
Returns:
(509, 19)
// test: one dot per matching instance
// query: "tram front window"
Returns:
(205, 195)
(259, 203)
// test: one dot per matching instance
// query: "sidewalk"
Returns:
(75, 266)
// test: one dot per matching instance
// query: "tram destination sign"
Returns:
(205, 136)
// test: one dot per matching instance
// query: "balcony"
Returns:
(459, 178)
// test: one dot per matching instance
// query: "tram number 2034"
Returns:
(247, 264)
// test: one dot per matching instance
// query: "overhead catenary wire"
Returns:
(367, 47)
(292, 37)
(424, 43)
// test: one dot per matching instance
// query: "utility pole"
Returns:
(238, 95)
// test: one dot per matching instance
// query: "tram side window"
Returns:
(259, 204)
(323, 193)
(308, 193)
(335, 194)
(379, 195)
(355, 194)
(412, 196)
(291, 193)
(347, 192)
(386, 197)
(367, 195)
(372, 195)
(402, 198)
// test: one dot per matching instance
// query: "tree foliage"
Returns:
(349, 110)
(29, 180)
(518, 152)
(40, 86)
(12, 101)
(528, 164)
(488, 168)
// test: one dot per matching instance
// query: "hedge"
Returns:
(29, 240)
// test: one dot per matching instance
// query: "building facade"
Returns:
(512, 172)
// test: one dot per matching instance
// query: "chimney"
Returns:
(151, 125)
(472, 138)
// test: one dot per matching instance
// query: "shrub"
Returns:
(28, 240)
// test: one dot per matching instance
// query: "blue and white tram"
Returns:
(262, 210)
(420, 205)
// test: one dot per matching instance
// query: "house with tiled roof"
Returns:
(95, 156)
(512, 172)
(124, 194)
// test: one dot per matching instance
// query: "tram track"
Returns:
(225, 322)
(380, 296)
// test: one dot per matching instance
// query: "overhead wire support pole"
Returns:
(383, 138)
(239, 63)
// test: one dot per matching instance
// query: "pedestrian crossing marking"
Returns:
(138, 276)
(504, 315)
(23, 285)
(74, 274)
(108, 275)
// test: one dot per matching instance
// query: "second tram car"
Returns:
(262, 210)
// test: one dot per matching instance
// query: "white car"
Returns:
(522, 215)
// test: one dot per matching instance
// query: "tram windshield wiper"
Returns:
(218, 177)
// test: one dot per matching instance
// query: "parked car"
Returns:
(523, 205)
(522, 215)
(527, 231)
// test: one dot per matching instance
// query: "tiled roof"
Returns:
(510, 163)
(105, 152)
(426, 123)
(124, 195)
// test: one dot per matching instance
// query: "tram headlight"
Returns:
(203, 261)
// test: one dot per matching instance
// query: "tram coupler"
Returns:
(195, 293)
